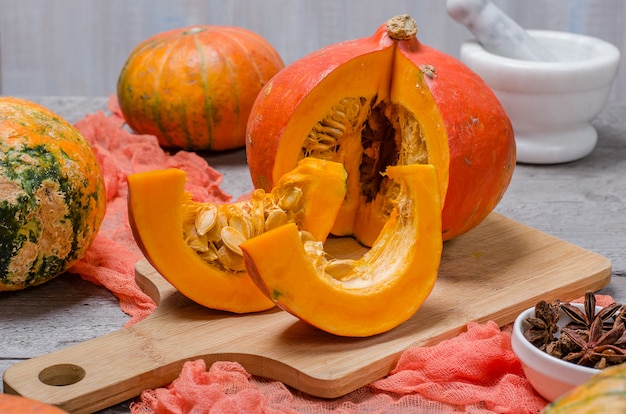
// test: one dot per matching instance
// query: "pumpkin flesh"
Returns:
(481, 139)
(205, 269)
(365, 296)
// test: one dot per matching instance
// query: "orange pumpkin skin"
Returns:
(14, 404)
(193, 87)
(449, 101)
(481, 139)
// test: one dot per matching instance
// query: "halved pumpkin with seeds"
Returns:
(386, 100)
(195, 246)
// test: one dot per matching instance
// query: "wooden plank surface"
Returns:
(492, 273)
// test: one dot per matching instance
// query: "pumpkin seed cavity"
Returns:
(215, 231)
(384, 133)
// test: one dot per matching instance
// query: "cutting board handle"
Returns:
(101, 372)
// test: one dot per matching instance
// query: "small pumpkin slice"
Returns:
(195, 246)
(366, 296)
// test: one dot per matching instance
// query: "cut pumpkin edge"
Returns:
(159, 236)
(293, 282)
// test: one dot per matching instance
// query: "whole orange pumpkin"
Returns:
(193, 87)
(386, 100)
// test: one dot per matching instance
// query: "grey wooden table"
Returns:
(583, 202)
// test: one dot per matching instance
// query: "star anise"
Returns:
(543, 325)
(583, 320)
(596, 348)
(594, 339)
(620, 315)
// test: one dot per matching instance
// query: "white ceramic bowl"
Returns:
(550, 104)
(550, 376)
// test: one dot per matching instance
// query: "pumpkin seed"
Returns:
(290, 199)
(305, 236)
(334, 129)
(232, 238)
(275, 218)
(325, 136)
(210, 255)
(256, 221)
(206, 219)
(195, 241)
(239, 223)
(216, 231)
(340, 269)
(230, 260)
(198, 244)
(320, 147)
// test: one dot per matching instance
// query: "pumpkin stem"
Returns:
(194, 30)
(401, 27)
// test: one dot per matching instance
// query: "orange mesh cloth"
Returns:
(475, 372)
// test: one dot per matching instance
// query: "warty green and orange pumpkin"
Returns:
(52, 194)
(386, 100)
(193, 87)
(605, 392)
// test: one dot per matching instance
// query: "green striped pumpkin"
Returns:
(52, 194)
(193, 87)
(603, 393)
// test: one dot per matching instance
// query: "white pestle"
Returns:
(497, 32)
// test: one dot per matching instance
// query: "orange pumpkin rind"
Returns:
(16, 404)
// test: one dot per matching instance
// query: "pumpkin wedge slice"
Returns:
(195, 246)
(366, 296)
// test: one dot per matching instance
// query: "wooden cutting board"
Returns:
(492, 273)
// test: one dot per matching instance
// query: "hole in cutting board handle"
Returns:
(61, 375)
